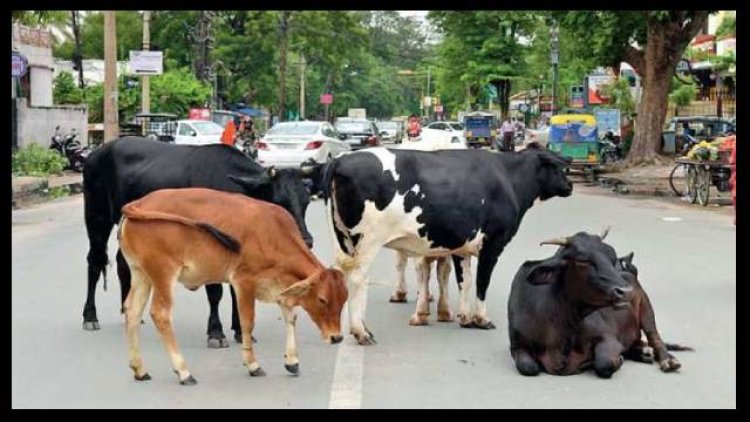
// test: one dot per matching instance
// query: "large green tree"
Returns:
(491, 42)
(653, 42)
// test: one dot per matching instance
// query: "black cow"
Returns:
(437, 203)
(582, 307)
(127, 169)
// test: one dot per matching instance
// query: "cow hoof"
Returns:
(670, 365)
(189, 381)
(258, 372)
(365, 340)
(464, 321)
(217, 343)
(145, 377)
(91, 325)
(445, 316)
(398, 297)
(293, 369)
(418, 320)
(484, 324)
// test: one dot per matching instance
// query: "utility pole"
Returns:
(77, 57)
(145, 82)
(555, 53)
(303, 65)
(428, 91)
(111, 130)
(284, 29)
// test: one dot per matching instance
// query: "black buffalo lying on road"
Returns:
(583, 306)
(128, 168)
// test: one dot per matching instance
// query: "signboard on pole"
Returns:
(199, 114)
(596, 82)
(426, 101)
(326, 98)
(576, 96)
(18, 65)
(608, 119)
(146, 62)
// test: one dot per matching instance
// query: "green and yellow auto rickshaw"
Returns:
(575, 136)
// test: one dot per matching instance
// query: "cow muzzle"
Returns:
(336, 339)
(621, 295)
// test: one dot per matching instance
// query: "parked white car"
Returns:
(197, 132)
(289, 144)
(436, 136)
(444, 133)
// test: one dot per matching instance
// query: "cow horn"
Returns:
(562, 241)
(605, 232)
(272, 172)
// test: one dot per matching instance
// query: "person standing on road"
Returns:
(247, 135)
(229, 136)
(507, 130)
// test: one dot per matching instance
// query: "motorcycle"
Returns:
(70, 148)
(609, 151)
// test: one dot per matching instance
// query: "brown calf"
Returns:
(197, 236)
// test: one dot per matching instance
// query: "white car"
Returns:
(436, 136)
(289, 144)
(197, 132)
(445, 133)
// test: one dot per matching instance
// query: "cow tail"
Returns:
(327, 179)
(132, 212)
(677, 348)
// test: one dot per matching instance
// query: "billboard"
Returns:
(595, 83)
(146, 62)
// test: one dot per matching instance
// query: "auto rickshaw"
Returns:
(480, 129)
(575, 136)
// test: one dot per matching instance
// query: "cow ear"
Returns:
(626, 263)
(297, 289)
(290, 296)
(627, 259)
(547, 272)
(251, 183)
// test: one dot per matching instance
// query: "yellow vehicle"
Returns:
(575, 136)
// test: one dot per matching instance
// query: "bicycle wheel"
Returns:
(679, 186)
(704, 185)
(692, 184)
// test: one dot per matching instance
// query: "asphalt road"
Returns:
(686, 258)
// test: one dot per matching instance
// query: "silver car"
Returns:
(289, 144)
(391, 131)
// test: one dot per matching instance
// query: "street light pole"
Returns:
(555, 53)
(111, 130)
(303, 64)
(428, 92)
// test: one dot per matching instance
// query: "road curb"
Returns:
(43, 190)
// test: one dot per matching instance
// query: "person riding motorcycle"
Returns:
(413, 127)
(246, 137)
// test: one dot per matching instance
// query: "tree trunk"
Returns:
(665, 45)
(652, 109)
(203, 39)
(284, 28)
(503, 88)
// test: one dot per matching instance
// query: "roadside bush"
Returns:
(36, 160)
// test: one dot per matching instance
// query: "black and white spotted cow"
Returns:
(441, 203)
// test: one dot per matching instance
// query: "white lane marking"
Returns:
(346, 388)
(671, 218)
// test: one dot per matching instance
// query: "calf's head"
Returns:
(587, 270)
(322, 296)
(282, 187)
